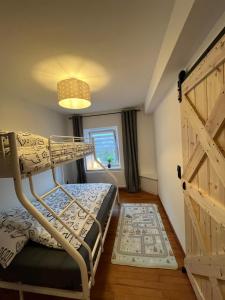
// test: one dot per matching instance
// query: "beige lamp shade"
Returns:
(73, 94)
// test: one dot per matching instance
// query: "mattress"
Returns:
(42, 266)
(34, 151)
(62, 152)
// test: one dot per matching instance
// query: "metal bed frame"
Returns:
(10, 167)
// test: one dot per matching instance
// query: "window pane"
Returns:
(106, 145)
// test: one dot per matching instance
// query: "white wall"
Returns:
(71, 169)
(169, 148)
(210, 37)
(169, 155)
(18, 114)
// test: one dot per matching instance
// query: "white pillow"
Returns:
(12, 242)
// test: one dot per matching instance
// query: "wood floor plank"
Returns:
(142, 282)
(114, 282)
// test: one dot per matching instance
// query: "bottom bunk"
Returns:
(38, 265)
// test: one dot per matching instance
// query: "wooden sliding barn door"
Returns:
(203, 141)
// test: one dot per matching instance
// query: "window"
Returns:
(106, 147)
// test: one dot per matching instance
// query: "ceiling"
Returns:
(197, 26)
(111, 44)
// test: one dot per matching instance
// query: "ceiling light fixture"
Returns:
(73, 94)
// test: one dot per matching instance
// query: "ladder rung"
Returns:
(49, 192)
(65, 209)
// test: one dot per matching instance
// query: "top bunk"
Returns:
(31, 153)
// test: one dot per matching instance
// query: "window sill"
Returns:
(102, 170)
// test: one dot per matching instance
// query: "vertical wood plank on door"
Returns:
(185, 151)
(214, 87)
(203, 178)
(192, 138)
(221, 137)
(221, 143)
(192, 141)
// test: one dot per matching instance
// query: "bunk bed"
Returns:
(68, 268)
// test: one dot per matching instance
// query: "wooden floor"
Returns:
(114, 282)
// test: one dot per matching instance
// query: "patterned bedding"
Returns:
(17, 226)
(34, 154)
(69, 151)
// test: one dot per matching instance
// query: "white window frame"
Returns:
(87, 132)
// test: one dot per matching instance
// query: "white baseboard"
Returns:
(149, 185)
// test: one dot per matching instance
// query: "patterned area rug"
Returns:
(141, 239)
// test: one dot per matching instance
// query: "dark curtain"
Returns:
(130, 149)
(78, 131)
